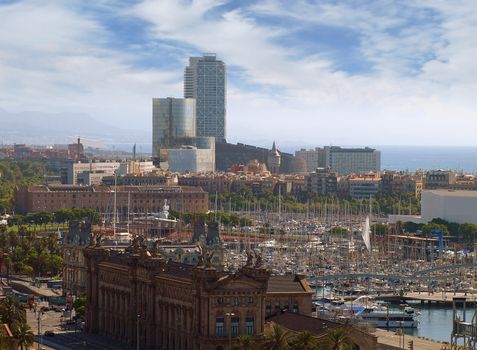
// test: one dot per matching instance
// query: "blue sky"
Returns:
(300, 72)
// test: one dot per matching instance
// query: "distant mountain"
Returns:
(40, 128)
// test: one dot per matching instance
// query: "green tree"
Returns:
(338, 339)
(304, 341)
(80, 304)
(411, 227)
(339, 230)
(63, 215)
(11, 311)
(468, 232)
(379, 229)
(245, 342)
(428, 228)
(276, 338)
(23, 333)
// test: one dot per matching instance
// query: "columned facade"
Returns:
(135, 297)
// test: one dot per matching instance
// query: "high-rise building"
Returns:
(345, 161)
(173, 122)
(205, 80)
(314, 158)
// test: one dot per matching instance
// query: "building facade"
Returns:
(205, 80)
(401, 183)
(449, 205)
(173, 121)
(314, 158)
(145, 301)
(345, 161)
(69, 170)
(364, 187)
(139, 199)
(436, 179)
(322, 181)
(191, 159)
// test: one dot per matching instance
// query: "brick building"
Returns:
(141, 199)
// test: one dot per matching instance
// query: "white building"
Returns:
(70, 170)
(450, 205)
(345, 161)
(191, 160)
(314, 158)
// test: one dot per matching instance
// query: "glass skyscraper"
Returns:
(173, 123)
(205, 80)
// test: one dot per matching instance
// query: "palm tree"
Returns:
(23, 334)
(276, 338)
(245, 342)
(11, 311)
(304, 341)
(338, 339)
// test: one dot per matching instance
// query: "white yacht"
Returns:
(384, 318)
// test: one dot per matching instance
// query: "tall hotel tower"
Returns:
(205, 80)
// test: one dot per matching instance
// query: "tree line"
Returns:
(245, 199)
(25, 252)
(226, 219)
(59, 217)
(278, 338)
(14, 173)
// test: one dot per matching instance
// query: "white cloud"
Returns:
(54, 57)
(400, 103)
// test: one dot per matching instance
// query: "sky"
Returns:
(300, 72)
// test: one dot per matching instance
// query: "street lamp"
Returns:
(229, 315)
(40, 342)
(137, 331)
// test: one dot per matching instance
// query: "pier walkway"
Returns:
(438, 298)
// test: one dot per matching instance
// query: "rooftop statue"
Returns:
(258, 260)
(249, 262)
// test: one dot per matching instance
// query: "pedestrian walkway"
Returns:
(389, 340)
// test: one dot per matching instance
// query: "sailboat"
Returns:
(119, 237)
(366, 234)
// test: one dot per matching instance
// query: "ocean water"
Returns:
(412, 158)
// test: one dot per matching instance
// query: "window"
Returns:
(268, 310)
(249, 326)
(250, 300)
(219, 327)
(234, 326)
(220, 300)
(295, 308)
(235, 301)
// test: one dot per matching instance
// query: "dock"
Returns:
(430, 298)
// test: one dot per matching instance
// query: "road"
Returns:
(66, 337)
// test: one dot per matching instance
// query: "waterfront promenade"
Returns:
(437, 298)
(390, 340)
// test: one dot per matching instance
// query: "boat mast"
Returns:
(114, 204)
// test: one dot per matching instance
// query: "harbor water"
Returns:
(435, 322)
